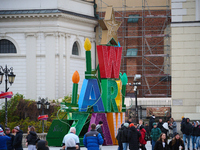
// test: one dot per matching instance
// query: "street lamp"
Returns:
(9, 76)
(45, 105)
(136, 84)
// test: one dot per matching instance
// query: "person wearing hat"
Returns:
(176, 143)
(3, 140)
(17, 144)
(133, 137)
(155, 134)
(9, 143)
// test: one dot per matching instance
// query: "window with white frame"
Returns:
(7, 46)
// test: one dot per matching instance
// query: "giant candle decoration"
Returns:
(75, 80)
(87, 46)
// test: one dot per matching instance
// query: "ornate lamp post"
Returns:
(45, 105)
(9, 76)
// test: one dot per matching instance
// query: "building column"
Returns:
(50, 47)
(60, 65)
(31, 87)
(68, 52)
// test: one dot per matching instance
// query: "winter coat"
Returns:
(182, 124)
(10, 142)
(147, 129)
(133, 136)
(165, 128)
(41, 145)
(174, 127)
(124, 137)
(99, 129)
(119, 138)
(159, 146)
(17, 144)
(187, 128)
(31, 138)
(160, 125)
(198, 130)
(141, 139)
(3, 142)
(92, 140)
(151, 121)
(174, 144)
(155, 134)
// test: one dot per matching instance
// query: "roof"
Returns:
(43, 11)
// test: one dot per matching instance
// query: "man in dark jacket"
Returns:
(92, 139)
(187, 131)
(119, 137)
(146, 127)
(151, 121)
(133, 136)
(10, 142)
(99, 129)
(197, 135)
(124, 137)
(17, 144)
(160, 123)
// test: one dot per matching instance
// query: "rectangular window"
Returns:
(197, 10)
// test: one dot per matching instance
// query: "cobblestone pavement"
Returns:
(148, 147)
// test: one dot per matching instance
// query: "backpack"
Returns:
(146, 137)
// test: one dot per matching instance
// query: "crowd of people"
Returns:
(135, 136)
(130, 136)
(13, 141)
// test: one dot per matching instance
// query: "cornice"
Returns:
(62, 15)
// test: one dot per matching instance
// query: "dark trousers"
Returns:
(142, 147)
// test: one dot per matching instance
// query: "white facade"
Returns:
(44, 63)
(185, 54)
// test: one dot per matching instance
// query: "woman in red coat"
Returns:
(141, 139)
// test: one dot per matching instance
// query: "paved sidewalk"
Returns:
(148, 147)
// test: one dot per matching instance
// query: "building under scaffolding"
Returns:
(145, 37)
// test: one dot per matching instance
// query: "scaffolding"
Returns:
(145, 37)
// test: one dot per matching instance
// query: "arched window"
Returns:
(7, 46)
(75, 48)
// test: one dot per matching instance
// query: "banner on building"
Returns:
(158, 111)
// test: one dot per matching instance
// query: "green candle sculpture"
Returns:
(75, 80)
(88, 46)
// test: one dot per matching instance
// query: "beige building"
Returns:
(185, 55)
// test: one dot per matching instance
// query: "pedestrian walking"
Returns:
(161, 143)
(3, 140)
(71, 140)
(17, 144)
(198, 135)
(155, 134)
(42, 145)
(151, 121)
(165, 128)
(173, 126)
(10, 142)
(146, 127)
(124, 137)
(119, 137)
(140, 123)
(99, 129)
(187, 131)
(142, 140)
(31, 139)
(133, 136)
(92, 139)
(193, 134)
(160, 124)
(176, 143)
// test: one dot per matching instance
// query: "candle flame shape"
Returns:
(76, 77)
(87, 45)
